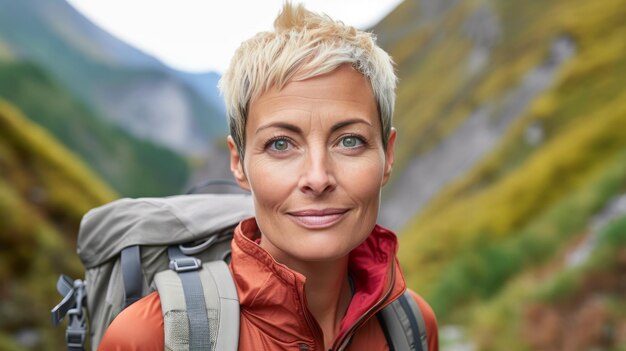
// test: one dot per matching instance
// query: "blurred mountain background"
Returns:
(508, 192)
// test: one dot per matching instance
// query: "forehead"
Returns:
(343, 92)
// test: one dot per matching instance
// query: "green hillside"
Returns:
(50, 61)
(491, 251)
(44, 191)
(5, 52)
(475, 251)
(131, 166)
(118, 82)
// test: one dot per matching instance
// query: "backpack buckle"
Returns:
(185, 264)
(75, 333)
(75, 338)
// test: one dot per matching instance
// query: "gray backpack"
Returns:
(179, 247)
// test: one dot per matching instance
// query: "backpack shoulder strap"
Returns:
(132, 276)
(183, 299)
(228, 326)
(404, 326)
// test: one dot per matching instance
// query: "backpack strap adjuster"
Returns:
(185, 264)
(75, 338)
(73, 305)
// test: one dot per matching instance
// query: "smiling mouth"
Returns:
(318, 219)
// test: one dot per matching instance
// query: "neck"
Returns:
(327, 292)
(328, 296)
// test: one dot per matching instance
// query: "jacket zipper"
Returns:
(343, 341)
(317, 332)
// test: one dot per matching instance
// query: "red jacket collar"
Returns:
(273, 294)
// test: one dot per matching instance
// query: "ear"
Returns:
(389, 155)
(236, 165)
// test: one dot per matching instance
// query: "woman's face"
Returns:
(315, 164)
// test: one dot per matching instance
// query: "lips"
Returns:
(318, 219)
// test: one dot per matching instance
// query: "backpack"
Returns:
(178, 246)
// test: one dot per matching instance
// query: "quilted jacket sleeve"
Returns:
(138, 327)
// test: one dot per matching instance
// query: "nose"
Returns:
(318, 174)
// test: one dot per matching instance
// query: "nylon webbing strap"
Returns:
(228, 327)
(419, 317)
(404, 324)
(187, 269)
(416, 320)
(132, 276)
(384, 326)
(397, 326)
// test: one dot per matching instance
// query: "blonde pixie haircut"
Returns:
(303, 45)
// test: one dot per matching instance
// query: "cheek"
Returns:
(362, 177)
(271, 183)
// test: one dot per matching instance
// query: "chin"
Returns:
(287, 241)
(322, 249)
(321, 255)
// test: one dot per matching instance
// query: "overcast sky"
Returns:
(202, 35)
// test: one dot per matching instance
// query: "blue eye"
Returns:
(351, 142)
(280, 144)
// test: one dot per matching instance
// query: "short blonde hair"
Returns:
(303, 45)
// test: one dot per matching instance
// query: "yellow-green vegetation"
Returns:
(44, 191)
(429, 75)
(436, 92)
(557, 168)
(478, 274)
(523, 202)
(131, 166)
(564, 294)
(75, 186)
(568, 282)
(5, 52)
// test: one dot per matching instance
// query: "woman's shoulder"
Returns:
(138, 327)
(429, 319)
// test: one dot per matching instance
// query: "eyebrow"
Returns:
(296, 129)
(281, 125)
(348, 122)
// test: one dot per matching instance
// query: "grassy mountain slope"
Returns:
(44, 191)
(519, 206)
(556, 307)
(5, 51)
(132, 167)
(115, 79)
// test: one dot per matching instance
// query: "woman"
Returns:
(310, 108)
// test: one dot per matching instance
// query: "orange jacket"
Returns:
(274, 315)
